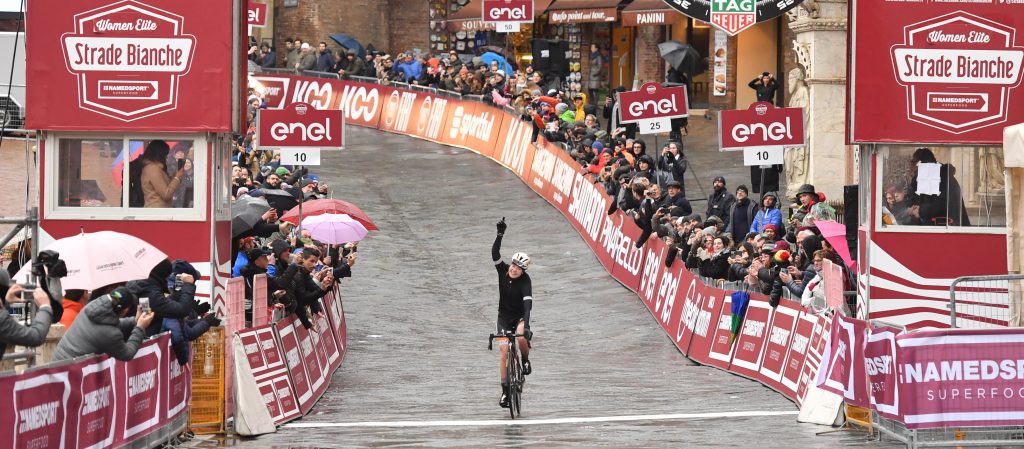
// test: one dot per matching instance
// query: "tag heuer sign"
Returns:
(733, 16)
(133, 38)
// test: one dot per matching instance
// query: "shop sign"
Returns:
(299, 125)
(582, 15)
(642, 18)
(956, 69)
(733, 16)
(653, 107)
(257, 16)
(101, 65)
(760, 125)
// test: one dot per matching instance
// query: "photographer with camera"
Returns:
(13, 332)
(102, 326)
(177, 304)
(673, 161)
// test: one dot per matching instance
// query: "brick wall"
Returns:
(650, 66)
(409, 24)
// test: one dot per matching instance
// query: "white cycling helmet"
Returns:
(521, 260)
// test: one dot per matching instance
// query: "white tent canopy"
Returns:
(1013, 146)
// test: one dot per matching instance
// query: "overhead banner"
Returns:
(157, 65)
(938, 72)
(733, 16)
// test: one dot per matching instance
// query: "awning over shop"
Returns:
(649, 12)
(582, 11)
(470, 17)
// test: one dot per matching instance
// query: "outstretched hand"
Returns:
(502, 226)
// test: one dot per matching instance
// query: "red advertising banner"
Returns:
(97, 412)
(257, 14)
(507, 11)
(844, 372)
(429, 113)
(265, 360)
(515, 147)
(261, 314)
(274, 89)
(296, 363)
(333, 307)
(753, 335)
(796, 353)
(620, 240)
(588, 213)
(299, 125)
(777, 345)
(130, 65)
(880, 366)
(472, 125)
(720, 350)
(652, 101)
(701, 308)
(659, 288)
(41, 408)
(760, 125)
(943, 73)
(961, 378)
(313, 364)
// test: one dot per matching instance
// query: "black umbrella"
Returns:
(683, 57)
(350, 43)
(246, 212)
(280, 200)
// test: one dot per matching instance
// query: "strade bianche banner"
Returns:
(106, 65)
(937, 72)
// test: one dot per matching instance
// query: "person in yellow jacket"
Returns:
(579, 100)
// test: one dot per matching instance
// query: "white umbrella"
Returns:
(334, 228)
(102, 258)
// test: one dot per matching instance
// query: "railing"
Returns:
(985, 301)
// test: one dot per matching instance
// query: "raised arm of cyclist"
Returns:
(514, 304)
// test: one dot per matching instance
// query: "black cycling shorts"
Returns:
(510, 325)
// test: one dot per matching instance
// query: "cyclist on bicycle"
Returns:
(514, 305)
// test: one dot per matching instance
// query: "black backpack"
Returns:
(135, 196)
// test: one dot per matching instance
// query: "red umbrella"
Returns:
(329, 206)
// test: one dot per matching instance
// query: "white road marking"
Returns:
(526, 422)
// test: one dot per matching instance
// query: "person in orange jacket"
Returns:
(74, 301)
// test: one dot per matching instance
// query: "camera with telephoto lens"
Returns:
(51, 261)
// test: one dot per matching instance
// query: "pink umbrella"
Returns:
(334, 228)
(835, 234)
(102, 258)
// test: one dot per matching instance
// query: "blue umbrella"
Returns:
(502, 63)
(349, 43)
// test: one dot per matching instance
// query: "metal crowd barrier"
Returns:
(984, 301)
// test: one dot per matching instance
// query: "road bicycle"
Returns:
(513, 370)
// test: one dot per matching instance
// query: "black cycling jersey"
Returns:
(516, 295)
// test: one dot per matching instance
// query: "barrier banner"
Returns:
(844, 371)
(812, 361)
(333, 307)
(397, 112)
(179, 386)
(777, 344)
(961, 378)
(141, 382)
(796, 353)
(515, 147)
(312, 365)
(362, 102)
(264, 358)
(327, 341)
(702, 307)
(296, 363)
(260, 311)
(721, 347)
(621, 239)
(97, 412)
(588, 213)
(659, 288)
(472, 125)
(880, 365)
(429, 113)
(750, 342)
(551, 174)
(40, 416)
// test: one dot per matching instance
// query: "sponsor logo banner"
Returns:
(582, 15)
(520, 11)
(956, 66)
(98, 405)
(733, 16)
(751, 340)
(760, 125)
(777, 344)
(701, 308)
(721, 348)
(642, 18)
(295, 362)
(472, 125)
(620, 236)
(653, 101)
(797, 353)
(844, 372)
(129, 65)
(880, 366)
(257, 14)
(300, 125)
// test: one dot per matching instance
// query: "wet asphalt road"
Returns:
(424, 298)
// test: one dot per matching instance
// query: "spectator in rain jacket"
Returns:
(184, 331)
(14, 333)
(102, 326)
(301, 290)
(769, 213)
(155, 288)
(410, 69)
(741, 215)
(673, 161)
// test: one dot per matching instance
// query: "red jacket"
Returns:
(71, 309)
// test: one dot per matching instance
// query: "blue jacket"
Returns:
(324, 62)
(411, 69)
(240, 262)
(772, 216)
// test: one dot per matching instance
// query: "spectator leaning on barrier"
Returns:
(11, 331)
(307, 58)
(177, 305)
(102, 326)
(301, 288)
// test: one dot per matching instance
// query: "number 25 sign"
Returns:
(653, 106)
